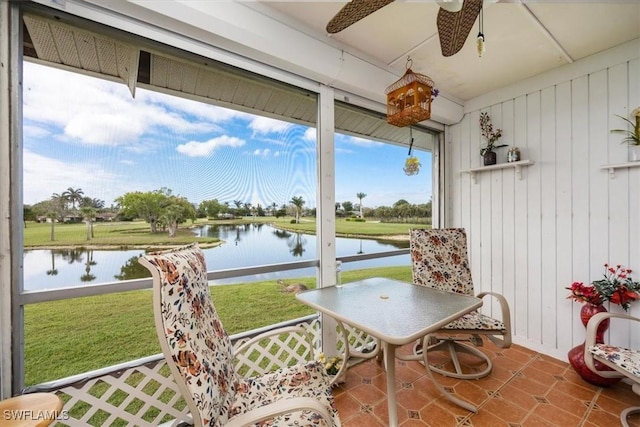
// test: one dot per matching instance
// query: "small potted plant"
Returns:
(632, 136)
(616, 287)
(492, 136)
(333, 366)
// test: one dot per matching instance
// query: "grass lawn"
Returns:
(346, 228)
(138, 233)
(68, 337)
(118, 234)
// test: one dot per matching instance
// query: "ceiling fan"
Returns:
(455, 19)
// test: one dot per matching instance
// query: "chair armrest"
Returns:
(504, 342)
(280, 407)
(590, 340)
(252, 345)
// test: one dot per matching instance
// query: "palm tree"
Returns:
(56, 211)
(297, 202)
(54, 270)
(361, 196)
(88, 214)
(88, 277)
(73, 196)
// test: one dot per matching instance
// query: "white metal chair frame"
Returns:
(625, 363)
(201, 358)
(432, 263)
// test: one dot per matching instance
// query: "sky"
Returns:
(89, 133)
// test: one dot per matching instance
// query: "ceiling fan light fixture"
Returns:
(480, 44)
(450, 5)
(480, 38)
(409, 98)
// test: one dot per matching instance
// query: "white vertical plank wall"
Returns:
(530, 238)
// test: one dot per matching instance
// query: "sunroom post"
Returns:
(325, 208)
(11, 325)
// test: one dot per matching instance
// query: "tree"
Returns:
(212, 208)
(55, 211)
(148, 206)
(281, 213)
(298, 203)
(348, 207)
(246, 209)
(87, 276)
(171, 215)
(361, 196)
(73, 195)
(88, 202)
(28, 214)
(53, 271)
(176, 212)
(89, 215)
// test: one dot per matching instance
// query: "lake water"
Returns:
(244, 246)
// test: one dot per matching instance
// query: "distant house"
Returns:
(106, 216)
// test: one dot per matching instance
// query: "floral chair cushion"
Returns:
(202, 351)
(199, 344)
(439, 260)
(628, 360)
(308, 380)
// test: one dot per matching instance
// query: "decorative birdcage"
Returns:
(409, 99)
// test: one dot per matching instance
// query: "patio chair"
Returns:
(201, 358)
(624, 362)
(439, 260)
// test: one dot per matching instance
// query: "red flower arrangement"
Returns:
(616, 287)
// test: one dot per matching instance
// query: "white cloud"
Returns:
(44, 176)
(99, 112)
(361, 142)
(104, 129)
(34, 131)
(263, 125)
(264, 152)
(310, 134)
(205, 149)
(199, 109)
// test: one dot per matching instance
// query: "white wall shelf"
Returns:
(612, 168)
(516, 165)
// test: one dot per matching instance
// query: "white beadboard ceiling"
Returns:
(523, 37)
(64, 45)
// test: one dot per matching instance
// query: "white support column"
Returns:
(325, 208)
(10, 197)
(438, 204)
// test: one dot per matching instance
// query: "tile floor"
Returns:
(525, 388)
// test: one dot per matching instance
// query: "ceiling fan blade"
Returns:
(454, 27)
(354, 11)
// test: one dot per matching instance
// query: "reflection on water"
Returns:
(244, 245)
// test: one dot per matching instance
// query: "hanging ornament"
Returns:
(480, 38)
(409, 99)
(412, 164)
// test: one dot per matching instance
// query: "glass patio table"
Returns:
(395, 312)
